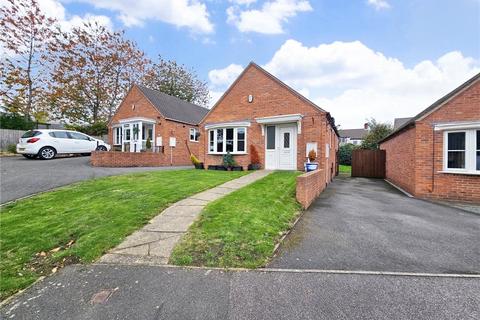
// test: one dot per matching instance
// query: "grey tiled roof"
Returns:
(174, 108)
(398, 122)
(352, 133)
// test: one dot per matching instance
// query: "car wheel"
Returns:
(101, 148)
(29, 156)
(47, 153)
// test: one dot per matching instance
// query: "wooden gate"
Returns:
(368, 163)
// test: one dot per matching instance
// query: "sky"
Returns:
(357, 59)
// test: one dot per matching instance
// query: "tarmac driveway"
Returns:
(365, 224)
(21, 177)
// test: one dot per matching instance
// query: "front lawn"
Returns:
(241, 229)
(80, 222)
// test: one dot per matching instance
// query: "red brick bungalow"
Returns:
(436, 154)
(171, 125)
(283, 126)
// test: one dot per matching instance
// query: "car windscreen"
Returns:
(31, 133)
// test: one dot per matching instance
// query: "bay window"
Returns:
(462, 151)
(223, 140)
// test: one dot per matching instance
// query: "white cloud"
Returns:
(378, 4)
(354, 82)
(269, 18)
(54, 9)
(242, 2)
(181, 13)
(222, 78)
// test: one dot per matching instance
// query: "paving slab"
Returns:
(153, 244)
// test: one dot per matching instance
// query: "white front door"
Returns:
(281, 147)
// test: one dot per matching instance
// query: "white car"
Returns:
(46, 144)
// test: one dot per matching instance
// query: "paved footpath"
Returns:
(153, 244)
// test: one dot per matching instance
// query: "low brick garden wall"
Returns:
(131, 159)
(309, 186)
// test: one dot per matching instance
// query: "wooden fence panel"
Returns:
(9, 136)
(368, 163)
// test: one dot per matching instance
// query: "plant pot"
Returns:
(311, 166)
(212, 167)
(237, 168)
(200, 166)
(222, 168)
(254, 166)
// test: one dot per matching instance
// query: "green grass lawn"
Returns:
(345, 169)
(241, 229)
(82, 221)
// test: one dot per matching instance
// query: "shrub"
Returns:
(228, 160)
(99, 128)
(312, 155)
(16, 122)
(12, 148)
(345, 154)
(254, 158)
(148, 144)
(194, 159)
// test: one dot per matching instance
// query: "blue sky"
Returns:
(356, 58)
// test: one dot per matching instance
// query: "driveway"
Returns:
(21, 177)
(365, 224)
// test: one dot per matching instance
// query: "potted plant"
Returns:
(148, 144)
(311, 165)
(228, 161)
(254, 159)
(196, 162)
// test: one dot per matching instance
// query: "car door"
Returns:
(81, 142)
(61, 141)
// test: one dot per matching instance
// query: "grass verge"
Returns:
(241, 229)
(345, 169)
(80, 222)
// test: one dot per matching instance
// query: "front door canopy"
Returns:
(282, 119)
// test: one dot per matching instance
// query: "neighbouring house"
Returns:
(261, 111)
(436, 154)
(170, 124)
(354, 136)
(398, 122)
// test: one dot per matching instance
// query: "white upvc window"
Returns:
(194, 134)
(117, 136)
(461, 151)
(223, 140)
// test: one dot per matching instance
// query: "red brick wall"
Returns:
(309, 186)
(130, 159)
(428, 180)
(163, 128)
(400, 153)
(269, 99)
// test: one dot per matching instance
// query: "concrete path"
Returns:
(153, 244)
(21, 177)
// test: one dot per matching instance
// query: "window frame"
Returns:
(117, 142)
(196, 135)
(214, 143)
(470, 152)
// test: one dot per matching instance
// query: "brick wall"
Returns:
(163, 128)
(309, 186)
(426, 161)
(269, 99)
(400, 155)
(131, 159)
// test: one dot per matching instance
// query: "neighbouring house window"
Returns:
(117, 136)
(225, 140)
(462, 151)
(478, 150)
(194, 134)
(270, 137)
(456, 150)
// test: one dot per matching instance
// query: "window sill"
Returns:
(468, 173)
(224, 153)
(194, 141)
